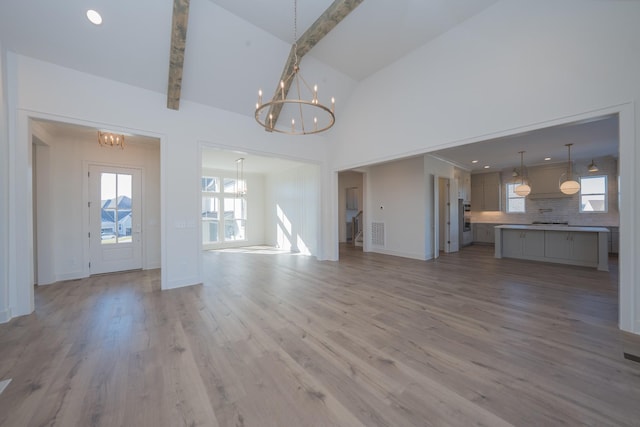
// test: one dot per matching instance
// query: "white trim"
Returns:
(412, 255)
(73, 275)
(5, 315)
(184, 282)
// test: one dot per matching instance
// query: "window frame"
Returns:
(605, 194)
(222, 194)
(508, 199)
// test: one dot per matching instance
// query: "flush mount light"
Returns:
(546, 159)
(94, 17)
(487, 167)
(474, 161)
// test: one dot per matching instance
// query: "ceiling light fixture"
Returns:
(593, 167)
(94, 17)
(546, 159)
(474, 161)
(487, 166)
(108, 139)
(308, 116)
(567, 184)
(523, 189)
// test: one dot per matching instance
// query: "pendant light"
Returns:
(569, 185)
(593, 167)
(523, 189)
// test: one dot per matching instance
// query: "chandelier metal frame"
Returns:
(264, 111)
(110, 139)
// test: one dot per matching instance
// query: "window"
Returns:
(224, 209)
(515, 203)
(593, 194)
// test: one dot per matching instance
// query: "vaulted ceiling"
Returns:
(232, 47)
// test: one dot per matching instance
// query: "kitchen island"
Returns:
(584, 246)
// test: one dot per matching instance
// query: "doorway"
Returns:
(114, 219)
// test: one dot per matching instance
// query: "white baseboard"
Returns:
(411, 255)
(5, 315)
(73, 275)
(181, 283)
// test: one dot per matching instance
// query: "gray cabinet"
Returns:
(485, 192)
(585, 246)
(483, 233)
(527, 244)
(574, 247)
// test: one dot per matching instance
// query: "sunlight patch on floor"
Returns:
(4, 384)
(268, 250)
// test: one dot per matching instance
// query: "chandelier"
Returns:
(308, 115)
(567, 184)
(108, 139)
(523, 189)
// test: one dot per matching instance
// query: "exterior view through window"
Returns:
(224, 209)
(593, 194)
(515, 203)
(115, 197)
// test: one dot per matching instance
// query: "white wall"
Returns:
(61, 174)
(396, 196)
(43, 90)
(519, 65)
(292, 214)
(255, 199)
(5, 313)
(347, 180)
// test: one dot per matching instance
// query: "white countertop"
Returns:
(553, 227)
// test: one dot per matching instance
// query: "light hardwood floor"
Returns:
(284, 340)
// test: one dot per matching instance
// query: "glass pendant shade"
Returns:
(522, 190)
(570, 187)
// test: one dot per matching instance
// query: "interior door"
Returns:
(114, 219)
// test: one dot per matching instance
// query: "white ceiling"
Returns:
(590, 139)
(233, 47)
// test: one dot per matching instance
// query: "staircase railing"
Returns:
(357, 232)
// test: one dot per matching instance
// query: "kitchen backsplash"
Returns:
(564, 209)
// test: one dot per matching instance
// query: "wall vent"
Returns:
(377, 233)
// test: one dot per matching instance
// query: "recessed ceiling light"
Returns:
(94, 17)
(547, 158)
(487, 167)
(474, 161)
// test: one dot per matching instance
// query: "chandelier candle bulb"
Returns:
(297, 97)
(333, 105)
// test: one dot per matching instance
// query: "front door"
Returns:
(114, 219)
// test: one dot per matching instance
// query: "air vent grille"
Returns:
(377, 233)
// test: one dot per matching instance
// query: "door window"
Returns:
(115, 211)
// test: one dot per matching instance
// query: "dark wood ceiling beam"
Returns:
(179, 24)
(331, 17)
